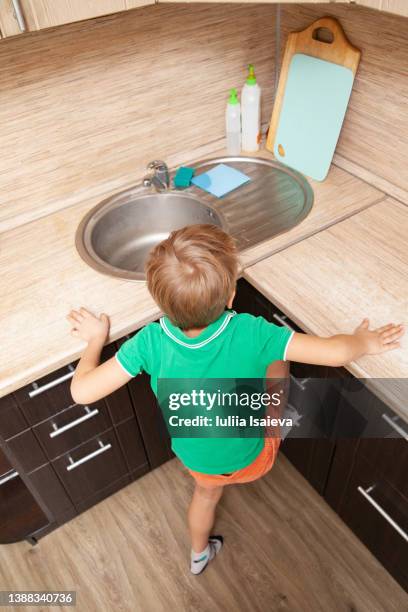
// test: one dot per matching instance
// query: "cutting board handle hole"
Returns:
(323, 35)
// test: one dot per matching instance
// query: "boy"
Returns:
(192, 276)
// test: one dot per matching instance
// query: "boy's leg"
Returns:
(201, 515)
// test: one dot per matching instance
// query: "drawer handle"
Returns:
(299, 383)
(53, 383)
(8, 477)
(395, 426)
(295, 413)
(282, 321)
(88, 415)
(19, 15)
(366, 493)
(102, 448)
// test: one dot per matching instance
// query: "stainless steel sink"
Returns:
(116, 236)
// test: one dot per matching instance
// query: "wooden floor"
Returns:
(285, 550)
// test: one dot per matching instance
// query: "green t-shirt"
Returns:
(233, 346)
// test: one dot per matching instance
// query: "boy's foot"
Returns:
(199, 561)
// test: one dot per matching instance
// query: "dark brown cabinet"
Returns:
(368, 484)
(71, 455)
(350, 446)
(20, 514)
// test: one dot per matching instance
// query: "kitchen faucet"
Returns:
(158, 176)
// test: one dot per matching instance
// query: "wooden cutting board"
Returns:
(315, 84)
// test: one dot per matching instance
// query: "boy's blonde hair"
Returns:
(192, 274)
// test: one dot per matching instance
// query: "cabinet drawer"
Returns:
(12, 420)
(44, 398)
(72, 427)
(378, 514)
(91, 466)
(51, 394)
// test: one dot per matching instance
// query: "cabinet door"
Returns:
(18, 16)
(132, 446)
(20, 515)
(149, 418)
(378, 514)
(49, 13)
(45, 483)
(398, 7)
(390, 459)
(376, 4)
(9, 24)
(41, 14)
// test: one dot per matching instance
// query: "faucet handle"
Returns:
(157, 164)
(158, 176)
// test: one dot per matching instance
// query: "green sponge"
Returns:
(183, 177)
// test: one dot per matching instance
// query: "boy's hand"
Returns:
(88, 327)
(379, 340)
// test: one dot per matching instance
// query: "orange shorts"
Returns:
(258, 468)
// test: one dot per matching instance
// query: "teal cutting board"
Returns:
(313, 109)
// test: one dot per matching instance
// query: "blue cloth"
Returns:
(220, 180)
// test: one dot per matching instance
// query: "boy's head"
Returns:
(192, 275)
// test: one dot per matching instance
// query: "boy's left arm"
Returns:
(341, 349)
(93, 380)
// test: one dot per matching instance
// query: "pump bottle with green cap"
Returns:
(251, 112)
(233, 124)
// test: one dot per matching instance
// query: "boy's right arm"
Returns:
(94, 380)
(341, 349)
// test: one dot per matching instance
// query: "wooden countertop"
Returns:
(43, 277)
(330, 282)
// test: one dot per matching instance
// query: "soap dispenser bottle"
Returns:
(233, 124)
(251, 113)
